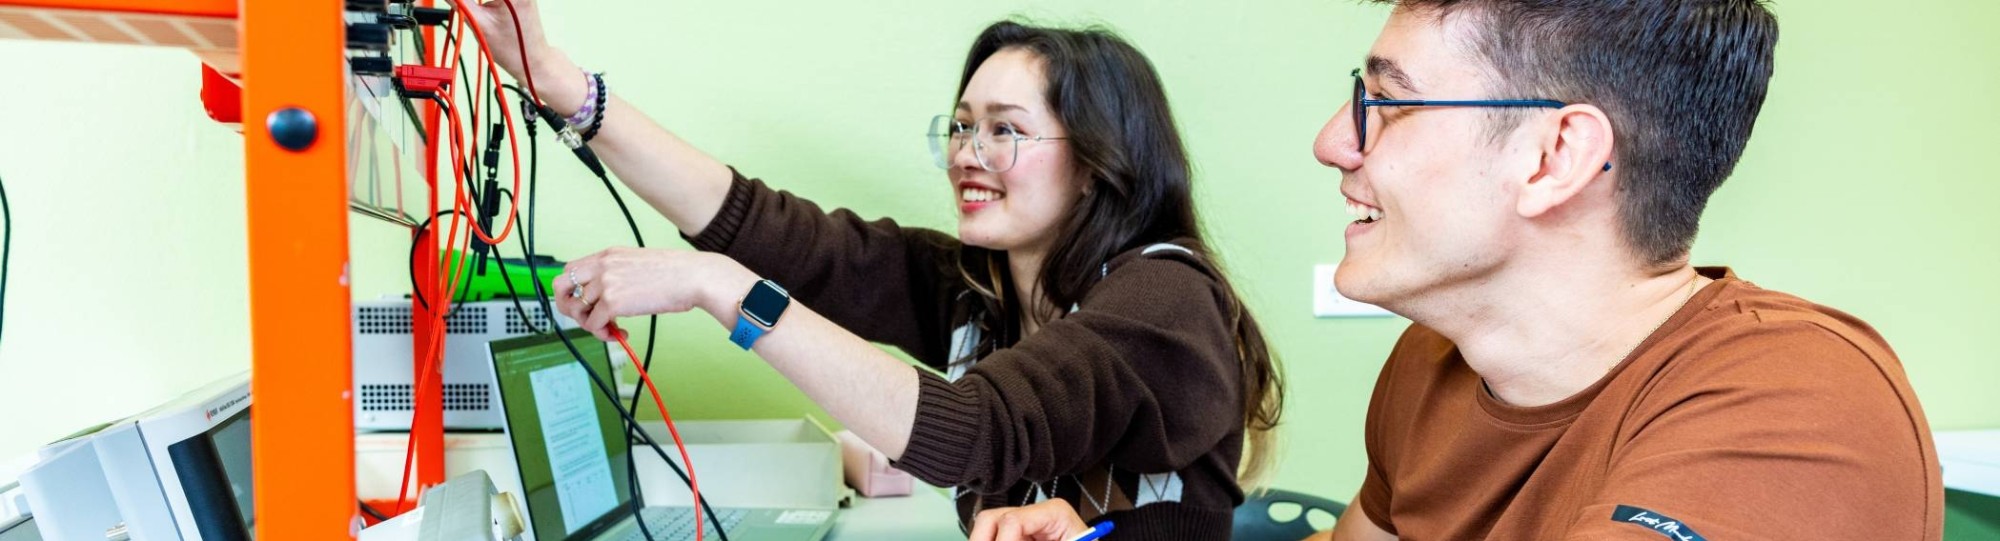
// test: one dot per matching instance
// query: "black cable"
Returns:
(541, 295)
(628, 413)
(488, 200)
(633, 430)
(528, 225)
(422, 229)
(478, 195)
(464, 171)
(652, 321)
(6, 250)
(509, 281)
(371, 512)
(652, 334)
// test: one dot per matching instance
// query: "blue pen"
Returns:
(1094, 533)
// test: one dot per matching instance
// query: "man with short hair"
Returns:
(1529, 176)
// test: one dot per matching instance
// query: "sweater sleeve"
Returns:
(884, 282)
(1144, 374)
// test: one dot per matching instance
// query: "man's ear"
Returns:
(1575, 154)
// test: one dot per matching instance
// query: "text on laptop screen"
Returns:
(569, 441)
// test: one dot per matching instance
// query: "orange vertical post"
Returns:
(427, 423)
(300, 355)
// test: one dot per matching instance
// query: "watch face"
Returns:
(765, 302)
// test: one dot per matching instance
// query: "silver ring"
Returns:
(576, 288)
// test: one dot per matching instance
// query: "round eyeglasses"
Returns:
(995, 143)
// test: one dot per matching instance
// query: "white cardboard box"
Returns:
(770, 464)
(777, 463)
(1971, 460)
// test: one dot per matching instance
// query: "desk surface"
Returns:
(1971, 460)
(924, 514)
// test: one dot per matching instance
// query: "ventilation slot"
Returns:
(382, 320)
(515, 325)
(466, 320)
(457, 397)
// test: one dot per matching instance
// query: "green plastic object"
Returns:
(476, 285)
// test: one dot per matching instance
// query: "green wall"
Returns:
(1866, 186)
(1857, 190)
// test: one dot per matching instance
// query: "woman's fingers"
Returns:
(604, 312)
(1052, 520)
(984, 523)
(496, 19)
(572, 285)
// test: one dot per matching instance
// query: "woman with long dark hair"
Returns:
(1092, 349)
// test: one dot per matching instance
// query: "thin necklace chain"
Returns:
(1663, 321)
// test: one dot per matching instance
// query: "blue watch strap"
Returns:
(746, 333)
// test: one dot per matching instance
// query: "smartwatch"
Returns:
(759, 312)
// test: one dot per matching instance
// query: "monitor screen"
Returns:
(232, 448)
(569, 441)
(214, 471)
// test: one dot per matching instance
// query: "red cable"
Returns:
(694, 486)
(473, 110)
(528, 76)
(434, 351)
(527, 73)
(445, 59)
(462, 204)
(513, 151)
(515, 196)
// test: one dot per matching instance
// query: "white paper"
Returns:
(575, 444)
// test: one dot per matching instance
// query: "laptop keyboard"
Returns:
(677, 524)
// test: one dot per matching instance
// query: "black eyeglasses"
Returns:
(1362, 103)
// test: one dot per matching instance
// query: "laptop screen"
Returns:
(568, 440)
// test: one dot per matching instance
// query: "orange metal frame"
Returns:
(292, 55)
(427, 404)
(301, 361)
(199, 8)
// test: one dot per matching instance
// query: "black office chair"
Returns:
(1255, 520)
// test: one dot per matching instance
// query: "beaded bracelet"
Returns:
(598, 120)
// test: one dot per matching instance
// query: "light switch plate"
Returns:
(1328, 302)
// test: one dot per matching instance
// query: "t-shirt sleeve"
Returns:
(1376, 492)
(1768, 432)
(1374, 500)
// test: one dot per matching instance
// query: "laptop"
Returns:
(571, 449)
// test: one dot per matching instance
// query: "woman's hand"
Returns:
(498, 26)
(558, 82)
(625, 282)
(1052, 520)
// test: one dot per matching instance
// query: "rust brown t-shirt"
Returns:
(1750, 414)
